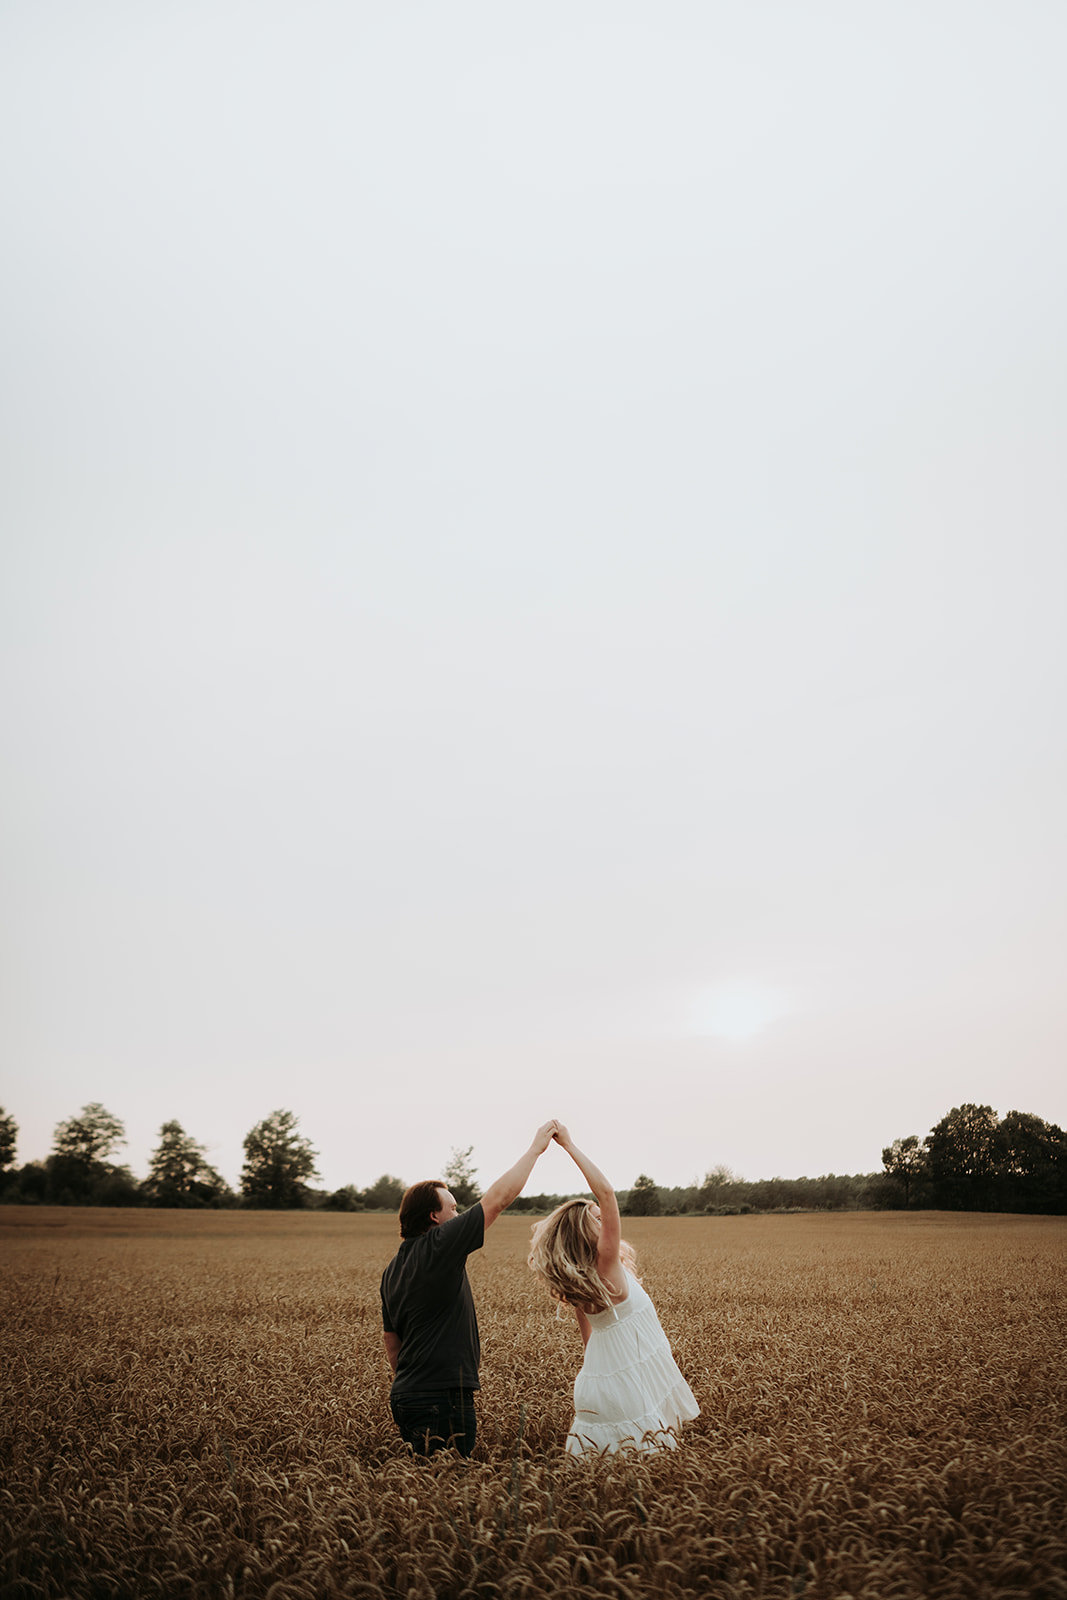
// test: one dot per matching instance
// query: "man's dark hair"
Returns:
(418, 1205)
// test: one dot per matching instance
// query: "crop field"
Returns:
(196, 1404)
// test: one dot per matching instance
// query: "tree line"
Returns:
(970, 1161)
(279, 1163)
(974, 1161)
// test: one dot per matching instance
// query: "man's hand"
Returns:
(544, 1136)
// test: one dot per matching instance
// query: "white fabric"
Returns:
(629, 1392)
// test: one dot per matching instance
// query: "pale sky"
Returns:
(533, 576)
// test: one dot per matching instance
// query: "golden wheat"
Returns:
(196, 1405)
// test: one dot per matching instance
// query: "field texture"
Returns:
(196, 1405)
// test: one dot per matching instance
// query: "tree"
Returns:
(384, 1194)
(962, 1156)
(28, 1186)
(459, 1175)
(8, 1139)
(1032, 1166)
(541, 1203)
(116, 1186)
(644, 1199)
(905, 1160)
(277, 1160)
(91, 1136)
(712, 1191)
(78, 1166)
(178, 1174)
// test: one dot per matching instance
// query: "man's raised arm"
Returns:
(507, 1188)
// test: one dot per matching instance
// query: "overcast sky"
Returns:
(533, 575)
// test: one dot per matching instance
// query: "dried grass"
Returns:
(196, 1405)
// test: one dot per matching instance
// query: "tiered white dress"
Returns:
(629, 1393)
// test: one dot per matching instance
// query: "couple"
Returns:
(629, 1391)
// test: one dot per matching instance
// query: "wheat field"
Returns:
(195, 1404)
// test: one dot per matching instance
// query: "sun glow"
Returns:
(736, 1010)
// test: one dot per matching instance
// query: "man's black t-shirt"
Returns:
(427, 1303)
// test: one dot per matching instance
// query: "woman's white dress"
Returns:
(629, 1392)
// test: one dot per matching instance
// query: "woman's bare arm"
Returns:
(608, 1264)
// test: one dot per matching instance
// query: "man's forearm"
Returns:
(510, 1185)
(392, 1349)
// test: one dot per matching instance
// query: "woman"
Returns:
(629, 1392)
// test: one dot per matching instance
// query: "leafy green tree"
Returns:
(962, 1155)
(459, 1175)
(8, 1139)
(384, 1194)
(1032, 1165)
(713, 1191)
(905, 1160)
(347, 1198)
(541, 1204)
(116, 1186)
(644, 1200)
(277, 1160)
(91, 1136)
(28, 1186)
(178, 1173)
(830, 1192)
(680, 1199)
(78, 1165)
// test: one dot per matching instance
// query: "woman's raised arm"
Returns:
(607, 1264)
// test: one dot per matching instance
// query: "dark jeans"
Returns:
(432, 1422)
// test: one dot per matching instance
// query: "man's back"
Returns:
(428, 1321)
(427, 1303)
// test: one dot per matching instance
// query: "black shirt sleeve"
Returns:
(462, 1236)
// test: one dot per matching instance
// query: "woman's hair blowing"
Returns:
(563, 1251)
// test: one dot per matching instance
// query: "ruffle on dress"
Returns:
(629, 1393)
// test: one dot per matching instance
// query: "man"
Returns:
(430, 1329)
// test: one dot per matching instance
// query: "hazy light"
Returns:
(737, 1010)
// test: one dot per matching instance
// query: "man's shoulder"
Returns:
(465, 1232)
(462, 1234)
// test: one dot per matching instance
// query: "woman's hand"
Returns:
(563, 1138)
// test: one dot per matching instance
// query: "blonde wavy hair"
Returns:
(563, 1252)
